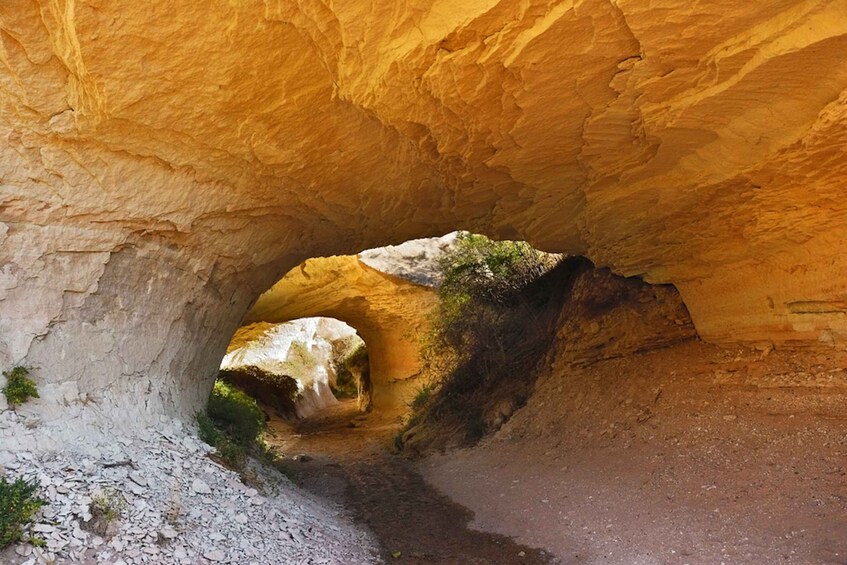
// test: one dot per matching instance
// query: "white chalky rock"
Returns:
(216, 555)
(138, 479)
(168, 533)
(200, 487)
(215, 523)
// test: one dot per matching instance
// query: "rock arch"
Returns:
(153, 187)
(389, 313)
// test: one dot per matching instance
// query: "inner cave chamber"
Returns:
(387, 311)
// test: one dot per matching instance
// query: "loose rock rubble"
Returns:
(176, 506)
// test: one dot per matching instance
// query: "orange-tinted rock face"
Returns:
(389, 313)
(162, 164)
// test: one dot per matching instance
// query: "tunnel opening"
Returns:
(390, 296)
(300, 368)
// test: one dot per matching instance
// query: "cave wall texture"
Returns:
(164, 163)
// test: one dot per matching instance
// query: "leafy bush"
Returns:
(493, 322)
(208, 432)
(480, 270)
(19, 387)
(233, 455)
(278, 391)
(235, 413)
(233, 424)
(18, 505)
(484, 284)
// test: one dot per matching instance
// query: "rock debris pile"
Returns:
(162, 501)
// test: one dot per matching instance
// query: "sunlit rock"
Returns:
(304, 349)
(161, 166)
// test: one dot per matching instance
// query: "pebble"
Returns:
(168, 533)
(215, 555)
(200, 487)
(138, 479)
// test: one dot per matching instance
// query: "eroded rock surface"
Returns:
(163, 165)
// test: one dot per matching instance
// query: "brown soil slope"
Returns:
(634, 449)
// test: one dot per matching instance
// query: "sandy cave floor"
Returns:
(691, 454)
(348, 463)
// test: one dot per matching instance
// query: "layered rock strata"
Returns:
(161, 165)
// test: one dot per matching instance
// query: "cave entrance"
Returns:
(301, 368)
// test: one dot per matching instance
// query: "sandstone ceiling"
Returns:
(164, 163)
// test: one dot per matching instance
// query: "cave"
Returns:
(170, 173)
(301, 368)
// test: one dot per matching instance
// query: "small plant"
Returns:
(173, 510)
(105, 508)
(18, 505)
(108, 503)
(422, 396)
(19, 387)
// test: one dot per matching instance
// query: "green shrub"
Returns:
(235, 413)
(498, 302)
(208, 432)
(278, 391)
(484, 284)
(233, 455)
(18, 505)
(480, 270)
(352, 372)
(19, 387)
(233, 424)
